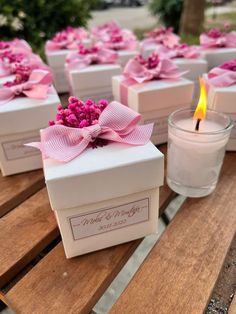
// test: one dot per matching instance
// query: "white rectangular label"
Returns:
(15, 149)
(105, 220)
(160, 125)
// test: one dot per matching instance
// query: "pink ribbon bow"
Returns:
(179, 51)
(165, 69)
(227, 40)
(116, 123)
(36, 87)
(67, 39)
(15, 46)
(102, 55)
(120, 40)
(219, 77)
(163, 36)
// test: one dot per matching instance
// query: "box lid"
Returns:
(93, 76)
(23, 114)
(156, 94)
(222, 98)
(104, 173)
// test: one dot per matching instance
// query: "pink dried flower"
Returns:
(79, 114)
(156, 32)
(227, 26)
(229, 65)
(215, 33)
(22, 75)
(151, 62)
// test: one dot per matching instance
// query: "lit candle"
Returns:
(196, 148)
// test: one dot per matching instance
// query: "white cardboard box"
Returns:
(93, 82)
(156, 100)
(56, 60)
(223, 99)
(125, 55)
(115, 199)
(217, 56)
(20, 122)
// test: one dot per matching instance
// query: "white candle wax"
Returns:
(195, 157)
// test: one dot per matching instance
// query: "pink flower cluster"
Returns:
(229, 65)
(151, 62)
(156, 32)
(105, 29)
(79, 114)
(9, 57)
(70, 34)
(82, 50)
(4, 45)
(120, 39)
(22, 75)
(215, 33)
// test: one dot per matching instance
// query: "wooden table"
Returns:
(178, 276)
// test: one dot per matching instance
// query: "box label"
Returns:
(15, 149)
(108, 219)
(160, 125)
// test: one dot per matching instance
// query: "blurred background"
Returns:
(38, 20)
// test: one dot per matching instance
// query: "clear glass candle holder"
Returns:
(195, 157)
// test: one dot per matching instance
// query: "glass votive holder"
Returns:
(195, 158)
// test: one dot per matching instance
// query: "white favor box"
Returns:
(196, 68)
(20, 122)
(223, 99)
(94, 82)
(125, 55)
(115, 199)
(156, 100)
(56, 60)
(217, 56)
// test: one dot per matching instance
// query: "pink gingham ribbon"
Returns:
(219, 77)
(36, 87)
(116, 123)
(227, 40)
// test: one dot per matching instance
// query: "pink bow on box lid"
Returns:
(15, 46)
(116, 123)
(214, 38)
(224, 75)
(163, 36)
(179, 51)
(96, 54)
(101, 31)
(36, 86)
(120, 40)
(67, 39)
(152, 68)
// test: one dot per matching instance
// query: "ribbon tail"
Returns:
(37, 91)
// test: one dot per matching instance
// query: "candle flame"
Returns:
(200, 112)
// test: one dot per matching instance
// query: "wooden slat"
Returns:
(71, 286)
(17, 188)
(24, 232)
(180, 272)
(232, 309)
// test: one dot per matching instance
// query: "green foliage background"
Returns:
(169, 12)
(38, 20)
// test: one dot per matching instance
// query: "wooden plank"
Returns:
(71, 286)
(181, 270)
(24, 232)
(232, 309)
(17, 188)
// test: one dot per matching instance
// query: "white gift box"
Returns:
(125, 55)
(115, 199)
(20, 122)
(217, 56)
(196, 68)
(56, 60)
(156, 100)
(94, 81)
(223, 99)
